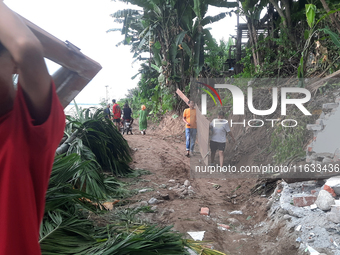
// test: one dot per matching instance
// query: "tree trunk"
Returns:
(332, 16)
(284, 18)
(252, 41)
(64, 147)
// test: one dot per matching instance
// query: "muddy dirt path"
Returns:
(163, 155)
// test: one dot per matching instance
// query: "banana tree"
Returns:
(173, 33)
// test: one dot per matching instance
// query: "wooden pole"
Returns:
(238, 42)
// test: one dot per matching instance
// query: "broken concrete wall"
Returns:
(325, 147)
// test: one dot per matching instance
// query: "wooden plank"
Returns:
(70, 88)
(66, 55)
(202, 129)
(182, 96)
(320, 82)
(202, 135)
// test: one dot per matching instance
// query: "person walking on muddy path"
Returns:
(32, 123)
(142, 120)
(189, 117)
(220, 128)
(117, 112)
(107, 112)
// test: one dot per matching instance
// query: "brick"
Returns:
(310, 148)
(330, 106)
(223, 226)
(204, 211)
(330, 190)
(313, 192)
(304, 200)
(314, 127)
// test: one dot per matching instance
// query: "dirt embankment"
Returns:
(162, 152)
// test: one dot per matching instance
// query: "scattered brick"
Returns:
(223, 226)
(304, 200)
(204, 211)
(330, 190)
(313, 191)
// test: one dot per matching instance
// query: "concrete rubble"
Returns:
(182, 190)
(316, 226)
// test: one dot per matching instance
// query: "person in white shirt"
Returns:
(220, 128)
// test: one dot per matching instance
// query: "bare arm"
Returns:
(28, 56)
(185, 120)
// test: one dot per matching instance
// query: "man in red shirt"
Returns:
(31, 126)
(117, 113)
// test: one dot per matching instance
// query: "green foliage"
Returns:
(310, 13)
(288, 142)
(334, 37)
(216, 57)
(99, 135)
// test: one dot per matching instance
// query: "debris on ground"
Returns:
(197, 236)
(204, 211)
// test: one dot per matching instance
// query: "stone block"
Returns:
(330, 106)
(314, 127)
(319, 122)
(325, 154)
(334, 215)
(327, 160)
(324, 200)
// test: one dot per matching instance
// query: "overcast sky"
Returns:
(84, 23)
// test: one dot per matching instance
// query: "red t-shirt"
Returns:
(26, 159)
(117, 112)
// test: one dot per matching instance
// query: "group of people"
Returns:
(119, 117)
(219, 129)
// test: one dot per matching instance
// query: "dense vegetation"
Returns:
(171, 40)
(79, 188)
(286, 39)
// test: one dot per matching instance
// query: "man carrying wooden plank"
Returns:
(220, 128)
(32, 123)
(189, 117)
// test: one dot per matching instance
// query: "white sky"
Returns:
(84, 23)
